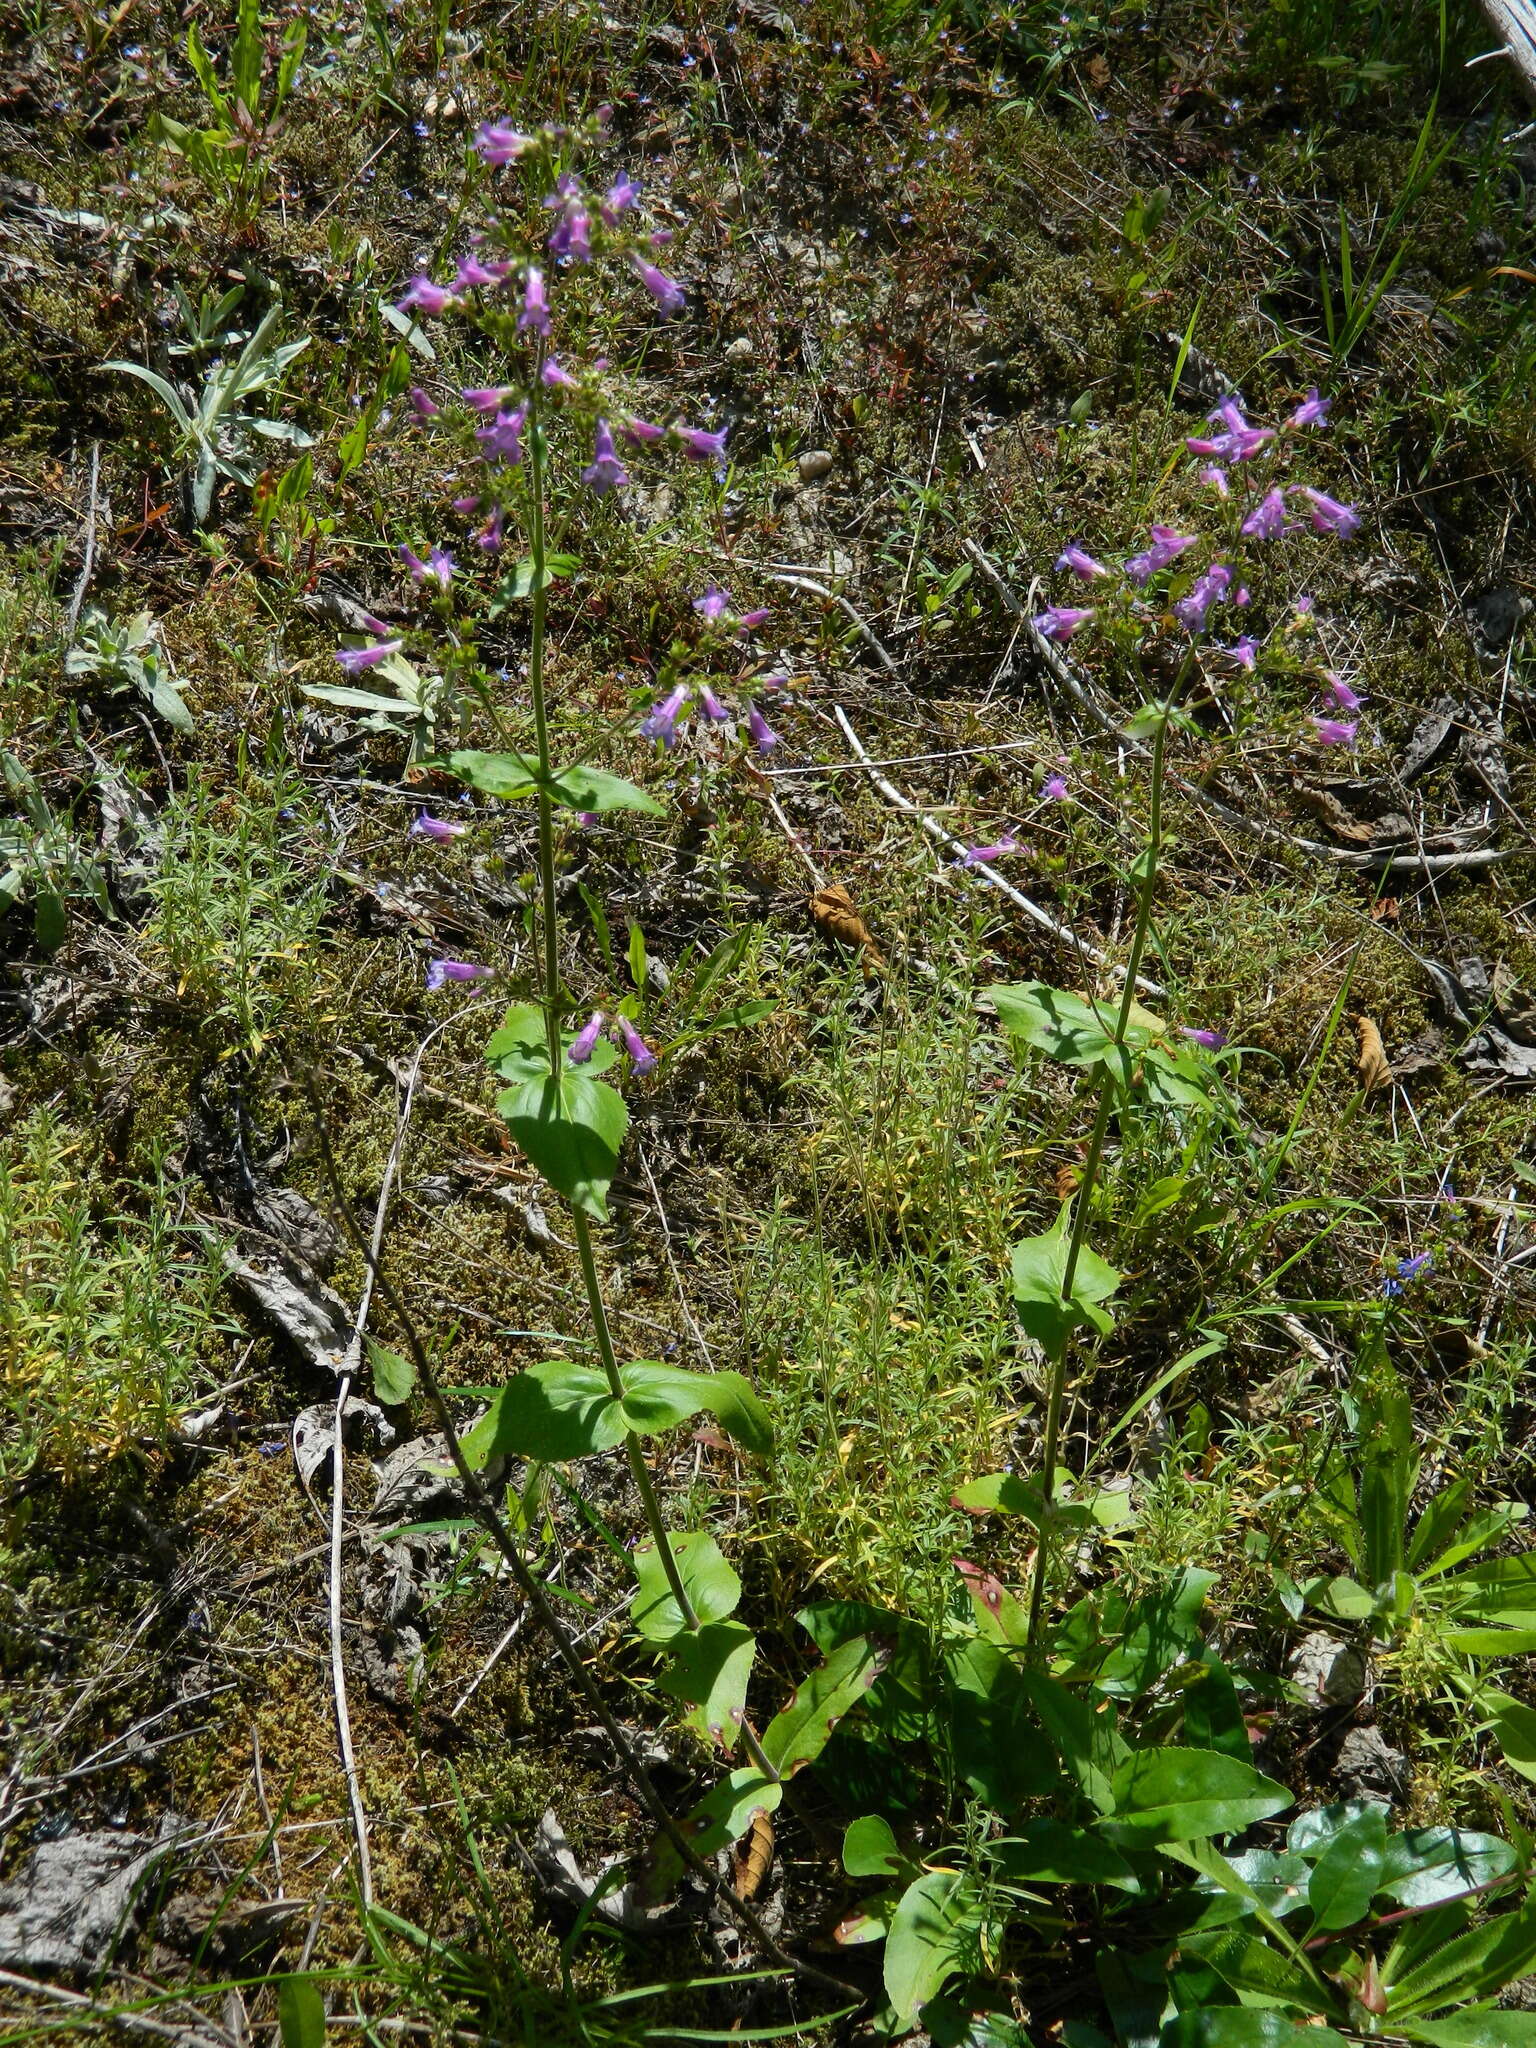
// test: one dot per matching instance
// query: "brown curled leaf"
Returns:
(1374, 1066)
(752, 1868)
(834, 912)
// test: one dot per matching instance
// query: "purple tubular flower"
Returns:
(1216, 478)
(641, 1058)
(1267, 520)
(498, 143)
(1242, 594)
(1346, 698)
(974, 856)
(355, 659)
(422, 406)
(605, 472)
(1055, 789)
(502, 439)
(711, 706)
(443, 971)
(535, 313)
(1207, 590)
(485, 397)
(580, 1049)
(714, 604)
(572, 236)
(472, 271)
(619, 198)
(1245, 653)
(375, 626)
(699, 445)
(638, 432)
(440, 830)
(1240, 441)
(763, 734)
(1167, 546)
(437, 568)
(666, 291)
(1310, 411)
(490, 535)
(1213, 1041)
(750, 619)
(1408, 1270)
(555, 377)
(1328, 515)
(1081, 563)
(469, 506)
(662, 721)
(422, 293)
(1061, 621)
(1205, 444)
(1334, 732)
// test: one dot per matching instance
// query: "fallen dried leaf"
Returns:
(835, 914)
(1375, 1067)
(1385, 909)
(752, 1868)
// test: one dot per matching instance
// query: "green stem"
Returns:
(1084, 1198)
(550, 930)
(549, 913)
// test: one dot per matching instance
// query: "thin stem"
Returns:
(549, 912)
(637, 1464)
(1084, 1198)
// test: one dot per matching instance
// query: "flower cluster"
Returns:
(641, 1058)
(1257, 509)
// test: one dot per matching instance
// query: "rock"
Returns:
(1498, 614)
(1368, 1763)
(814, 464)
(74, 1898)
(1329, 1672)
(742, 350)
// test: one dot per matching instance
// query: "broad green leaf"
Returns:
(1008, 1493)
(932, 1937)
(994, 1729)
(1088, 1744)
(300, 2013)
(1341, 1596)
(798, 1735)
(1475, 1965)
(999, 1615)
(1181, 1795)
(725, 1813)
(870, 1921)
(1066, 1026)
(1049, 1851)
(1513, 1726)
(167, 700)
(1258, 1972)
(570, 1128)
(713, 1589)
(1213, 1719)
(518, 582)
(1490, 1642)
(518, 1049)
(551, 1411)
(1310, 1833)
(1158, 1631)
(869, 1848)
(1426, 1866)
(709, 1671)
(504, 775)
(1505, 1585)
(1236, 2026)
(351, 699)
(1039, 1268)
(1262, 1881)
(1476, 2030)
(658, 1396)
(394, 1377)
(1346, 1876)
(594, 789)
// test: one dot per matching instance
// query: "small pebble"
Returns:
(814, 465)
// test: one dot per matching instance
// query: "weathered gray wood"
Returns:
(1514, 23)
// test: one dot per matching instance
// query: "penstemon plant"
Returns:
(1161, 611)
(560, 1100)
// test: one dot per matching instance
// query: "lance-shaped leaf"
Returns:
(1181, 1795)
(799, 1734)
(594, 789)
